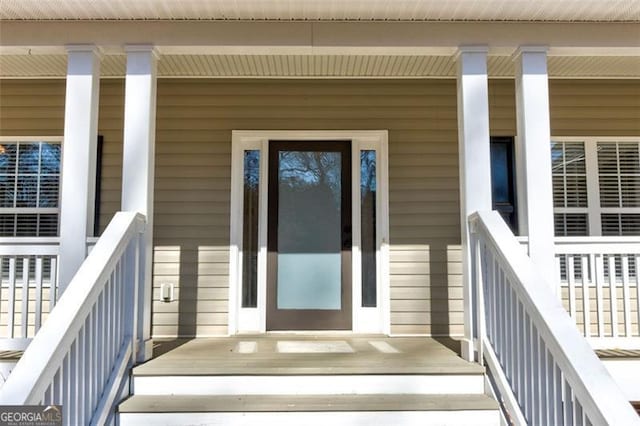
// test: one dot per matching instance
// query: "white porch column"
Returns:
(79, 158)
(475, 166)
(138, 167)
(533, 154)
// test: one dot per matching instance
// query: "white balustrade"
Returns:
(81, 356)
(600, 287)
(542, 370)
(28, 288)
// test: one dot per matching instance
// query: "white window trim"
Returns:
(365, 320)
(593, 209)
(34, 210)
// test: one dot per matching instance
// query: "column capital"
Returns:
(534, 48)
(92, 48)
(149, 48)
(473, 48)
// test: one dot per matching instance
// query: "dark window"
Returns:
(503, 180)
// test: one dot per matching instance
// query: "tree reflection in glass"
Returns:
(309, 230)
(250, 229)
(368, 226)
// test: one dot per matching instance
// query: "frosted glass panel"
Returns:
(309, 281)
(309, 230)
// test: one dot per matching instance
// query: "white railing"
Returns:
(28, 288)
(599, 285)
(81, 356)
(543, 370)
(600, 288)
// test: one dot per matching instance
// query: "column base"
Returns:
(145, 350)
(467, 351)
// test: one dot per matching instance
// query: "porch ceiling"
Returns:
(289, 10)
(321, 66)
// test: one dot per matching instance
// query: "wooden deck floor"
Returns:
(305, 354)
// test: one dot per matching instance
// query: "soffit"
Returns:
(290, 10)
(321, 66)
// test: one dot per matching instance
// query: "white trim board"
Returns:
(365, 320)
(319, 384)
(314, 418)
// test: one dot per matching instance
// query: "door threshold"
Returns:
(319, 333)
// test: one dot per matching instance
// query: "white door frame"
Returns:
(365, 320)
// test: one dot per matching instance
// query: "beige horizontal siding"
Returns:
(606, 309)
(193, 165)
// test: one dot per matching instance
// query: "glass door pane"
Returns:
(309, 236)
(309, 230)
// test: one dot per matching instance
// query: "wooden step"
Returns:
(396, 409)
(323, 384)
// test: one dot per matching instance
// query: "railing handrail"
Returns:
(36, 369)
(593, 245)
(29, 246)
(599, 395)
(4, 241)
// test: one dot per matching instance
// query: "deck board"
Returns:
(289, 403)
(220, 356)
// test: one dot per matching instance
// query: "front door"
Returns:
(309, 236)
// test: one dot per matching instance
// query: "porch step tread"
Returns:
(206, 369)
(334, 355)
(304, 403)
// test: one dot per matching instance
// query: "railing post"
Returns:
(478, 278)
(139, 302)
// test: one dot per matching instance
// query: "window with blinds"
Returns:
(29, 188)
(569, 174)
(619, 187)
(596, 187)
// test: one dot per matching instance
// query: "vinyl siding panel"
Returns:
(193, 165)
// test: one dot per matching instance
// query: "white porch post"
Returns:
(138, 168)
(533, 153)
(79, 158)
(475, 167)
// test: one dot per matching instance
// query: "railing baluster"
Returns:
(12, 297)
(64, 378)
(586, 297)
(626, 295)
(119, 302)
(25, 299)
(559, 394)
(38, 309)
(521, 354)
(571, 284)
(578, 417)
(512, 333)
(95, 360)
(558, 268)
(528, 368)
(613, 295)
(53, 285)
(599, 280)
(535, 377)
(81, 378)
(108, 348)
(499, 326)
(637, 263)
